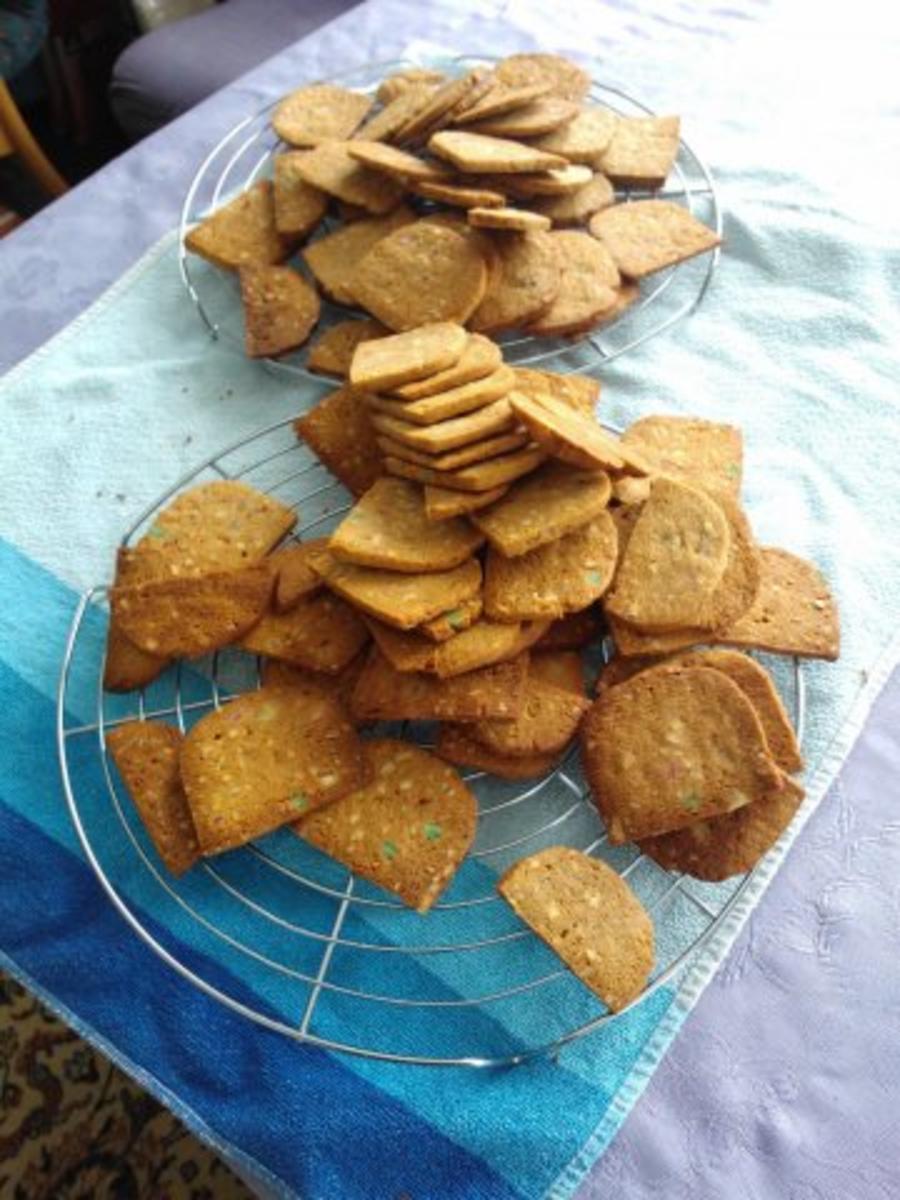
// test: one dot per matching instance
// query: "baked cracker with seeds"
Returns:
(331, 168)
(579, 392)
(332, 352)
(456, 744)
(399, 599)
(588, 915)
(340, 686)
(547, 722)
(649, 235)
(501, 100)
(242, 232)
(447, 435)
(541, 116)
(484, 643)
(641, 151)
(465, 456)
(456, 401)
(480, 477)
(321, 633)
(319, 113)
(588, 287)
(526, 282)
(480, 358)
(458, 194)
(384, 694)
(476, 154)
(573, 436)
(334, 258)
(399, 164)
(574, 208)
(146, 755)
(299, 207)
(338, 430)
(705, 454)
(584, 138)
(280, 310)
(401, 81)
(793, 613)
(518, 219)
(558, 181)
(295, 579)
(562, 668)
(407, 831)
(453, 621)
(443, 503)
(387, 123)
(406, 357)
(127, 667)
(564, 78)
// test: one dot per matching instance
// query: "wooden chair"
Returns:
(16, 138)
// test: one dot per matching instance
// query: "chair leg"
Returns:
(23, 144)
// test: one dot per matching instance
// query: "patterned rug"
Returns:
(74, 1127)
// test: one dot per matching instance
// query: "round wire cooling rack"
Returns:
(244, 155)
(287, 937)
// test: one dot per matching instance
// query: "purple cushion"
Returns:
(168, 71)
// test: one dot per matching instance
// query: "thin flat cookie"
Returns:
(442, 101)
(406, 357)
(588, 288)
(453, 621)
(320, 633)
(384, 694)
(295, 579)
(667, 748)
(589, 916)
(453, 460)
(338, 429)
(674, 561)
(649, 235)
(401, 81)
(401, 108)
(739, 584)
(332, 352)
(484, 643)
(242, 232)
(574, 436)
(318, 113)
(706, 454)
(501, 100)
(266, 758)
(397, 163)
(458, 195)
(476, 154)
(559, 181)
(388, 528)
(564, 78)
(729, 845)
(404, 649)
(441, 504)
(541, 116)
(456, 744)
(518, 219)
(146, 755)
(552, 502)
(340, 686)
(641, 151)
(334, 258)
(281, 309)
(399, 599)
(447, 435)
(299, 207)
(480, 358)
(558, 578)
(407, 831)
(331, 168)
(389, 279)
(574, 208)
(579, 392)
(125, 666)
(584, 138)
(480, 477)
(454, 402)
(528, 279)
(186, 618)
(547, 722)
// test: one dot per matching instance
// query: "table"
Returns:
(786, 1078)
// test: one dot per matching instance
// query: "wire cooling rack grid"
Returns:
(245, 154)
(287, 937)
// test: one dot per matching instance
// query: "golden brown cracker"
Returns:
(332, 352)
(793, 613)
(476, 154)
(456, 744)
(388, 528)
(407, 831)
(338, 430)
(405, 357)
(127, 667)
(480, 477)
(547, 722)
(553, 501)
(443, 503)
(404, 649)
(580, 392)
(453, 402)
(641, 150)
(389, 279)
(540, 116)
(584, 138)
(399, 599)
(331, 168)
(728, 845)
(480, 358)
(281, 674)
(146, 755)
(560, 577)
(389, 120)
(448, 624)
(667, 748)
(648, 235)
(383, 693)
(321, 633)
(334, 258)
(588, 288)
(474, 452)
(281, 309)
(571, 632)
(526, 282)
(518, 219)
(242, 232)
(397, 163)
(564, 78)
(266, 758)
(707, 454)
(573, 436)
(185, 618)
(739, 584)
(295, 579)
(631, 643)
(447, 435)
(588, 915)
(441, 102)
(401, 81)
(574, 208)
(674, 561)
(319, 112)
(501, 100)
(484, 643)
(299, 207)
(559, 181)
(457, 194)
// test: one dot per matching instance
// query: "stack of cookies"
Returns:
(488, 200)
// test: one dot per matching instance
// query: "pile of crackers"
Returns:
(488, 200)
(475, 605)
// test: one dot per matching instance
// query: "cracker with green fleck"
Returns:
(338, 430)
(456, 744)
(387, 527)
(558, 578)
(408, 830)
(589, 916)
(400, 599)
(384, 694)
(319, 112)
(146, 755)
(242, 232)
(555, 500)
(189, 617)
(266, 758)
(706, 454)
(667, 748)
(321, 633)
(453, 621)
(404, 357)
(716, 849)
